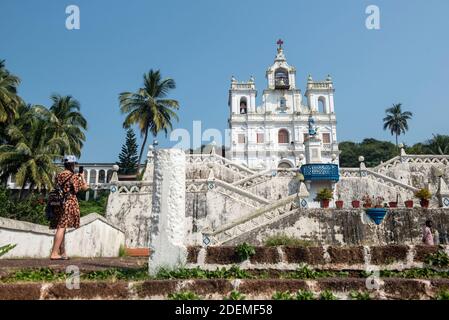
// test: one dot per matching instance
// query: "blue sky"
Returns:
(202, 43)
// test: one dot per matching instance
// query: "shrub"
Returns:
(357, 295)
(423, 194)
(327, 295)
(324, 194)
(304, 295)
(31, 209)
(285, 295)
(235, 295)
(443, 295)
(184, 295)
(438, 259)
(282, 239)
(245, 251)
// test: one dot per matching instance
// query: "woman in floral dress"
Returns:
(67, 216)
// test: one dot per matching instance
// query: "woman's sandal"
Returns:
(60, 258)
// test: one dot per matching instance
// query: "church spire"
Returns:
(280, 52)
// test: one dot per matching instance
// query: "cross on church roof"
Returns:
(280, 43)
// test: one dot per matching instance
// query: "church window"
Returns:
(283, 105)
(243, 106)
(283, 136)
(260, 138)
(322, 105)
(241, 138)
(281, 79)
(326, 138)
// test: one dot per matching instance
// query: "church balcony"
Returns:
(320, 172)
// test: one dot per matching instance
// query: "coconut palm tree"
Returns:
(9, 100)
(149, 108)
(32, 152)
(396, 120)
(439, 144)
(66, 122)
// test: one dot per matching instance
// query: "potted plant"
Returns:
(393, 204)
(324, 196)
(377, 214)
(424, 196)
(355, 202)
(408, 203)
(339, 202)
(367, 201)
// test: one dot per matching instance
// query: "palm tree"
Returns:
(32, 152)
(149, 108)
(9, 100)
(439, 144)
(396, 120)
(65, 122)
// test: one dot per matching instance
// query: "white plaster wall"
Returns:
(95, 238)
(131, 213)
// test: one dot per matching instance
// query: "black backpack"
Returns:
(56, 198)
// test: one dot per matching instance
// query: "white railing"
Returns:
(252, 221)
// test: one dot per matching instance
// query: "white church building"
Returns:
(288, 129)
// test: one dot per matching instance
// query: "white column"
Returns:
(167, 223)
(96, 182)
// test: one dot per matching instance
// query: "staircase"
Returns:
(256, 219)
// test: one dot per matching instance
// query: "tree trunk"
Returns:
(397, 144)
(23, 188)
(142, 148)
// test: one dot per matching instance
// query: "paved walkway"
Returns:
(85, 264)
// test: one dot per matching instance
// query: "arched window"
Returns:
(281, 79)
(285, 165)
(243, 106)
(283, 136)
(322, 104)
(102, 176)
(108, 176)
(93, 176)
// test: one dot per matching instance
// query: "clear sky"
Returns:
(201, 43)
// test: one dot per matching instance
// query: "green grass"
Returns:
(284, 295)
(303, 272)
(282, 239)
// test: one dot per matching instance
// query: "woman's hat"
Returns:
(70, 159)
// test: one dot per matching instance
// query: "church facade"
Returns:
(288, 129)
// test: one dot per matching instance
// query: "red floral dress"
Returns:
(67, 216)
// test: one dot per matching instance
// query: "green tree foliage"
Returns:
(9, 100)
(65, 121)
(149, 108)
(396, 120)
(373, 150)
(128, 157)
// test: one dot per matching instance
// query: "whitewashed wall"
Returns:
(96, 237)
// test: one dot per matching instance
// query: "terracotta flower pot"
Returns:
(355, 203)
(366, 206)
(393, 204)
(424, 203)
(409, 204)
(339, 204)
(325, 204)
